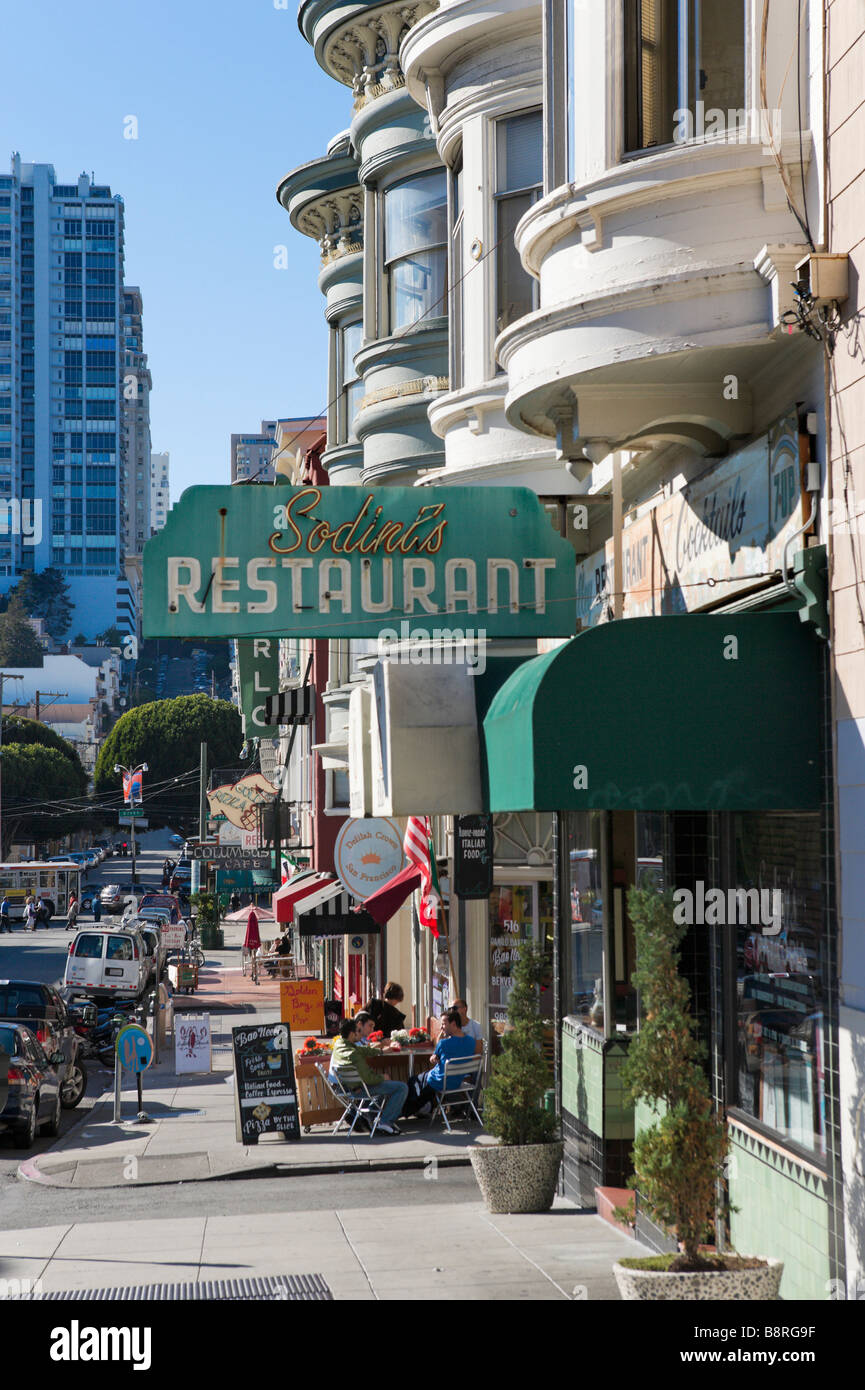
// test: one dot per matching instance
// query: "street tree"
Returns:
(18, 642)
(44, 785)
(46, 595)
(167, 735)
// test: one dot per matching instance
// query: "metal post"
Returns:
(140, 1098)
(3, 677)
(132, 828)
(117, 1086)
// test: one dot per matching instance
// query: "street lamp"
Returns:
(4, 676)
(130, 773)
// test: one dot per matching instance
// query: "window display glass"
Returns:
(585, 917)
(781, 976)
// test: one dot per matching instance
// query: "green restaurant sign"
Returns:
(353, 561)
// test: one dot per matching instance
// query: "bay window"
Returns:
(415, 238)
(683, 59)
(351, 386)
(518, 182)
(455, 275)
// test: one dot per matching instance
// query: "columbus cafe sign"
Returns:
(339, 562)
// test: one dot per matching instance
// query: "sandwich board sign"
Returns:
(192, 1043)
(265, 1090)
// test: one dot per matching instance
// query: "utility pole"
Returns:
(51, 695)
(202, 795)
(4, 676)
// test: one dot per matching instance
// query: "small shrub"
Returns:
(514, 1099)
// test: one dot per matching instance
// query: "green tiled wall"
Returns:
(607, 1112)
(783, 1212)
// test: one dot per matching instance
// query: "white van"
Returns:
(108, 964)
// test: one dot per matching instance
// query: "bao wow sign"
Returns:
(349, 561)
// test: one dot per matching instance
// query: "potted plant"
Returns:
(207, 914)
(519, 1169)
(679, 1160)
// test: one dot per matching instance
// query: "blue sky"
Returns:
(228, 98)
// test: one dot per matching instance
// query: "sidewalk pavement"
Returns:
(191, 1134)
(453, 1252)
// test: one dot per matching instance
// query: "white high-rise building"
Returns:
(159, 490)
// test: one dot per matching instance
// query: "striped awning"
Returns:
(330, 912)
(290, 706)
(299, 888)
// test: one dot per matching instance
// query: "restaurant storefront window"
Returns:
(584, 993)
(519, 912)
(781, 978)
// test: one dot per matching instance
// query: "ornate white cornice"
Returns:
(335, 222)
(364, 53)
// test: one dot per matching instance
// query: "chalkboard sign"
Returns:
(265, 1091)
(332, 1017)
(473, 856)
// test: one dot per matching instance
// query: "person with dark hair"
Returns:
(347, 1053)
(454, 1045)
(383, 1011)
(469, 1026)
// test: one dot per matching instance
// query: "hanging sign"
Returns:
(237, 801)
(473, 856)
(356, 562)
(367, 853)
(265, 1091)
(258, 677)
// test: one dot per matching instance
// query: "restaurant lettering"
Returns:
(309, 561)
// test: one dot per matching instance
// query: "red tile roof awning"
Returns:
(388, 899)
(294, 892)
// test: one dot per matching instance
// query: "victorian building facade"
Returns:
(583, 249)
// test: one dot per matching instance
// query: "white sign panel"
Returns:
(722, 534)
(192, 1043)
(173, 937)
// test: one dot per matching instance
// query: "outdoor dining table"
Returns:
(315, 1103)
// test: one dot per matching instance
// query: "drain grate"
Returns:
(277, 1288)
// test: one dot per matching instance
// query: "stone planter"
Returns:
(212, 938)
(517, 1178)
(653, 1285)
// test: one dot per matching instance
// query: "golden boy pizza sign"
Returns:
(349, 561)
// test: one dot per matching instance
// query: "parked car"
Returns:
(113, 898)
(152, 936)
(167, 904)
(32, 1086)
(181, 876)
(41, 1009)
(107, 964)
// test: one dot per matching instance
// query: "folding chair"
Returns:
(354, 1095)
(468, 1072)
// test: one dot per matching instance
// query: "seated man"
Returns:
(469, 1026)
(454, 1045)
(347, 1052)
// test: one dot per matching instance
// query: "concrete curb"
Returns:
(29, 1171)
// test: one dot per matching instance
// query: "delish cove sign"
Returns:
(349, 561)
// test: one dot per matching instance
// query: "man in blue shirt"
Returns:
(454, 1045)
(5, 924)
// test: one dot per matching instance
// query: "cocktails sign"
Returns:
(350, 561)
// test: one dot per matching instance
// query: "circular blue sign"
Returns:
(134, 1048)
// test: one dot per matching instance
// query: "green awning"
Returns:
(698, 711)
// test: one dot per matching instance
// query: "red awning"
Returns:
(388, 899)
(297, 888)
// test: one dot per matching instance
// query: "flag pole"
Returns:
(443, 924)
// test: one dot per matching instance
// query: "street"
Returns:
(41, 956)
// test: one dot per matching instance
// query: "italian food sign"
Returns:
(353, 561)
